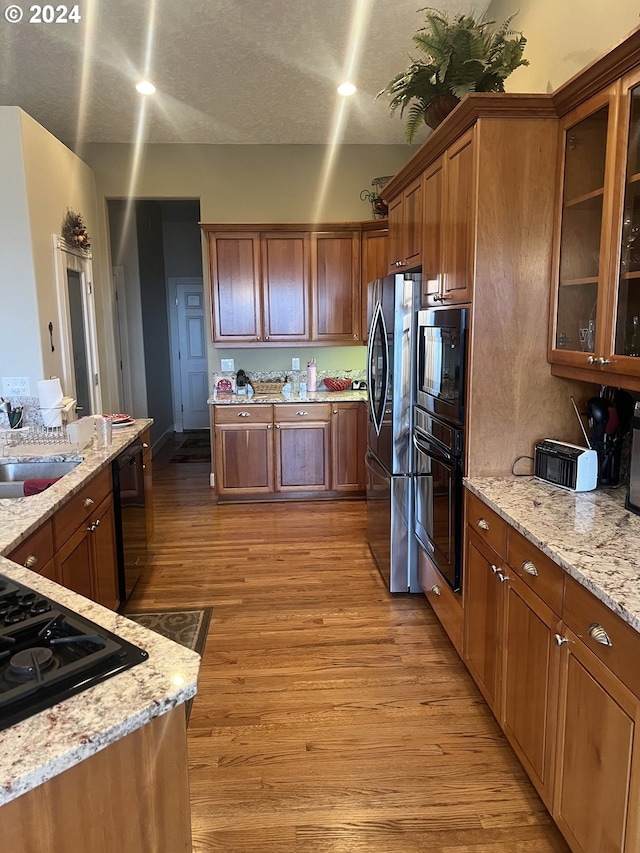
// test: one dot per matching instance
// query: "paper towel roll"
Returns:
(49, 393)
(50, 396)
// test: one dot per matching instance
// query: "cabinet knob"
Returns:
(268, 426)
(602, 361)
(503, 578)
(31, 561)
(530, 568)
(355, 337)
(277, 426)
(87, 502)
(560, 640)
(591, 359)
(435, 589)
(266, 337)
(482, 523)
(144, 467)
(145, 445)
(258, 338)
(335, 411)
(91, 528)
(244, 415)
(495, 569)
(597, 633)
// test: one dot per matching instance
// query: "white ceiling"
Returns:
(227, 71)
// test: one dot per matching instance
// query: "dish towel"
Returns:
(34, 487)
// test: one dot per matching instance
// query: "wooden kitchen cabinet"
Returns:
(243, 450)
(36, 552)
(335, 287)
(406, 228)
(432, 239)
(597, 786)
(458, 220)
(236, 297)
(302, 447)
(374, 264)
(596, 293)
(285, 286)
(348, 446)
(85, 542)
(86, 562)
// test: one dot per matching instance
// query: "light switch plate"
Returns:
(227, 365)
(16, 386)
(295, 364)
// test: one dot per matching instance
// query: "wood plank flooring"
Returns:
(331, 716)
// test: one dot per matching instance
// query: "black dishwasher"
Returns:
(130, 516)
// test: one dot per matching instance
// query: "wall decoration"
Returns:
(74, 231)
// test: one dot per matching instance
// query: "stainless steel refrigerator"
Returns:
(393, 304)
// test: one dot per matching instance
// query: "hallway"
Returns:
(330, 716)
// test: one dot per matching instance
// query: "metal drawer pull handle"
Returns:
(495, 569)
(435, 589)
(560, 640)
(530, 568)
(87, 502)
(302, 413)
(31, 561)
(244, 415)
(483, 524)
(597, 633)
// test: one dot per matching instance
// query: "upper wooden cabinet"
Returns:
(450, 203)
(272, 285)
(335, 286)
(596, 297)
(374, 264)
(405, 228)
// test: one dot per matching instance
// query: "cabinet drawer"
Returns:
(36, 550)
(301, 412)
(257, 413)
(446, 604)
(581, 611)
(487, 524)
(81, 506)
(536, 569)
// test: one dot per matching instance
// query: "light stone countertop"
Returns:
(309, 397)
(589, 534)
(44, 745)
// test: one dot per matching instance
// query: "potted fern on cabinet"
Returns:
(458, 55)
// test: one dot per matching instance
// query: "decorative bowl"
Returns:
(337, 384)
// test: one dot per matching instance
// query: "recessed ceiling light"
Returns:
(346, 89)
(145, 87)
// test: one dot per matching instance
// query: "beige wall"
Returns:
(563, 36)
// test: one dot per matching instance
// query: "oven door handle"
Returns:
(423, 446)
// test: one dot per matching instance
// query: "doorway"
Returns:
(188, 353)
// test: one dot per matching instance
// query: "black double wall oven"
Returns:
(438, 438)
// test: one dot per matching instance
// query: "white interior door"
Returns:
(190, 367)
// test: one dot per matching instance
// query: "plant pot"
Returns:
(439, 109)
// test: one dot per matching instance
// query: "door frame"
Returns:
(174, 340)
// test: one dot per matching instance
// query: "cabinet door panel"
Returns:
(482, 620)
(459, 220)
(595, 801)
(73, 562)
(374, 264)
(431, 248)
(530, 680)
(396, 233)
(285, 282)
(244, 458)
(235, 279)
(105, 563)
(348, 440)
(336, 286)
(413, 218)
(302, 457)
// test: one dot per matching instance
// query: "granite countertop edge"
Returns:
(44, 745)
(588, 534)
(309, 397)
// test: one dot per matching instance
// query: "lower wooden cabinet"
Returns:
(559, 670)
(36, 552)
(446, 603)
(293, 449)
(87, 562)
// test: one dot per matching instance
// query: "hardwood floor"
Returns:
(331, 716)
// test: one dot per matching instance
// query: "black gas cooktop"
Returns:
(49, 653)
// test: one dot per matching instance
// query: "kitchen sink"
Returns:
(14, 474)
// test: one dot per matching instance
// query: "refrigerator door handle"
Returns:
(423, 447)
(377, 418)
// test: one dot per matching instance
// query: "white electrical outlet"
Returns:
(295, 364)
(16, 386)
(227, 365)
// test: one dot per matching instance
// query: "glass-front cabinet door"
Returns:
(582, 249)
(626, 318)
